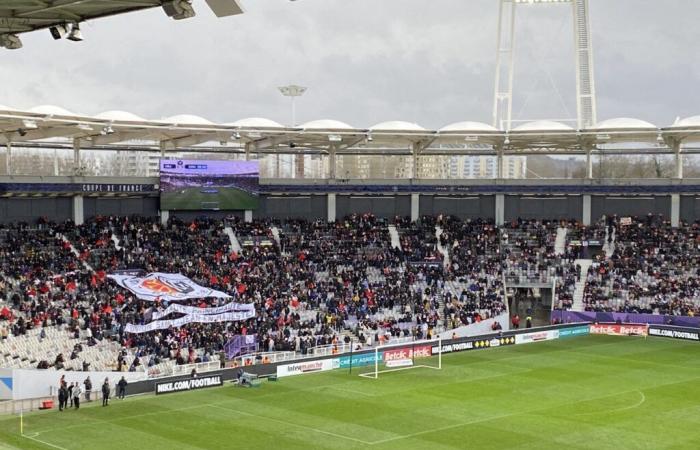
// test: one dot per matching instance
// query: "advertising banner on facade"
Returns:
(685, 334)
(190, 384)
(617, 329)
(171, 287)
(299, 368)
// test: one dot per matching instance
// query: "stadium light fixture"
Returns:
(10, 41)
(236, 136)
(471, 138)
(179, 9)
(293, 91)
(84, 127)
(107, 130)
(75, 35)
(29, 124)
(335, 138)
(369, 137)
(59, 31)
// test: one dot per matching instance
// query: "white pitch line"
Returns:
(272, 419)
(503, 416)
(624, 408)
(34, 438)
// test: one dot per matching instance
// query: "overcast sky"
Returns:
(364, 61)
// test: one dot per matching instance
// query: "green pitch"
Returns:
(594, 392)
(195, 199)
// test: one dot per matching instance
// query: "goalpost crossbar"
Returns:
(403, 355)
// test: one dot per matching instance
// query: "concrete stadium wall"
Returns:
(543, 207)
(464, 207)
(630, 206)
(315, 206)
(292, 206)
(690, 208)
(30, 209)
(144, 206)
(385, 206)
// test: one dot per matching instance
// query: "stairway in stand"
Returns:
(581, 284)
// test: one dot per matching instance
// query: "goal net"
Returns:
(404, 356)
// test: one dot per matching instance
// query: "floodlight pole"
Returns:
(293, 91)
(505, 57)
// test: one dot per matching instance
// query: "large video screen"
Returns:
(208, 185)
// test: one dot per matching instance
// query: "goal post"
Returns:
(426, 354)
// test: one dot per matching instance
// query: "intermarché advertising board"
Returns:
(189, 384)
(536, 336)
(686, 334)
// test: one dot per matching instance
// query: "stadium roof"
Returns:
(46, 125)
(21, 16)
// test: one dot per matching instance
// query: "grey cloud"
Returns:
(365, 61)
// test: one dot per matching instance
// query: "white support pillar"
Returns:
(589, 165)
(679, 159)
(77, 170)
(247, 151)
(415, 207)
(332, 167)
(331, 207)
(8, 158)
(500, 209)
(586, 216)
(415, 156)
(499, 164)
(248, 215)
(675, 210)
(78, 210)
(164, 216)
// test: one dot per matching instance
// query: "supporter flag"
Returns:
(165, 286)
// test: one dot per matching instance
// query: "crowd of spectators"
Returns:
(315, 283)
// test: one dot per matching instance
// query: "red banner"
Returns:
(615, 329)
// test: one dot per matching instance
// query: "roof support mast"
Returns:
(505, 56)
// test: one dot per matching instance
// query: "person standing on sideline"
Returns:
(70, 394)
(76, 395)
(516, 321)
(62, 394)
(88, 389)
(105, 392)
(121, 388)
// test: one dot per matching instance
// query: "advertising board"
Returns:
(421, 351)
(536, 336)
(475, 344)
(299, 368)
(685, 334)
(573, 332)
(363, 359)
(617, 329)
(189, 384)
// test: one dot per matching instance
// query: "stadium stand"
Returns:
(314, 283)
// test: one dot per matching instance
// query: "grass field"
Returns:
(195, 199)
(593, 392)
